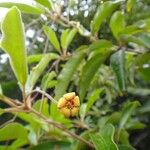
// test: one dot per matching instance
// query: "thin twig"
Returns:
(63, 128)
(46, 94)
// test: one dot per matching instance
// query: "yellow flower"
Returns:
(69, 104)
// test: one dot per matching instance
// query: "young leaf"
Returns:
(117, 23)
(104, 139)
(67, 72)
(130, 4)
(52, 37)
(118, 65)
(104, 10)
(67, 37)
(13, 43)
(32, 8)
(90, 69)
(17, 132)
(38, 70)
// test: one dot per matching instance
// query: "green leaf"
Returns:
(34, 58)
(13, 43)
(51, 145)
(125, 147)
(100, 44)
(47, 79)
(67, 37)
(32, 8)
(83, 110)
(68, 71)
(117, 23)
(12, 131)
(104, 139)
(93, 97)
(42, 106)
(104, 10)
(89, 70)
(118, 65)
(127, 112)
(46, 3)
(52, 37)
(139, 26)
(38, 70)
(130, 4)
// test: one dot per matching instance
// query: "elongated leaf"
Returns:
(38, 70)
(104, 10)
(117, 23)
(13, 43)
(67, 72)
(94, 96)
(127, 112)
(118, 65)
(135, 39)
(130, 4)
(46, 3)
(12, 131)
(67, 37)
(47, 79)
(52, 37)
(139, 26)
(100, 44)
(90, 69)
(32, 8)
(104, 139)
(35, 58)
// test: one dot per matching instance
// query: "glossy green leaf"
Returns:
(130, 4)
(92, 98)
(12, 131)
(13, 43)
(52, 37)
(104, 139)
(118, 65)
(38, 70)
(117, 23)
(67, 37)
(89, 70)
(29, 8)
(103, 11)
(68, 72)
(127, 112)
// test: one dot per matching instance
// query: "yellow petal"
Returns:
(74, 111)
(76, 101)
(69, 96)
(65, 111)
(61, 102)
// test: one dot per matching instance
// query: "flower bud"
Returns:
(69, 104)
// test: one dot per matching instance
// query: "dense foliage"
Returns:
(97, 49)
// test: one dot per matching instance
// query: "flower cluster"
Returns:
(69, 104)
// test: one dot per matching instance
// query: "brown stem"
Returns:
(60, 126)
